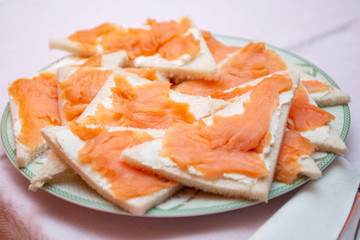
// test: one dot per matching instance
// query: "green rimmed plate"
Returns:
(188, 202)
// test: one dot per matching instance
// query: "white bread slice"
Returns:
(25, 155)
(199, 106)
(115, 59)
(66, 145)
(147, 156)
(53, 170)
(330, 97)
(201, 66)
(309, 167)
(325, 138)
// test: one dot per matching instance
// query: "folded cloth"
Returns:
(319, 210)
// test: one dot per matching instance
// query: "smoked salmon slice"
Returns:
(306, 116)
(230, 144)
(218, 50)
(166, 38)
(251, 62)
(80, 88)
(143, 106)
(103, 153)
(293, 147)
(313, 86)
(37, 100)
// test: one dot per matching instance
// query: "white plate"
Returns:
(188, 202)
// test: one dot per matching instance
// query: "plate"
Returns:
(188, 202)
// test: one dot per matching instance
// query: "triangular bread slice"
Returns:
(202, 65)
(296, 158)
(309, 167)
(324, 98)
(147, 156)
(67, 145)
(325, 137)
(25, 154)
(52, 171)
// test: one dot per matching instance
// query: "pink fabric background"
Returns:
(326, 33)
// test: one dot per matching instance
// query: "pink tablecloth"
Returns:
(326, 33)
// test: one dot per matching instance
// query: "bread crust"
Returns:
(309, 167)
(24, 155)
(333, 96)
(53, 170)
(57, 137)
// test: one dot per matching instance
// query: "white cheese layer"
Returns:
(317, 135)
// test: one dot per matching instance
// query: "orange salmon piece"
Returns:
(313, 86)
(136, 42)
(144, 106)
(231, 144)
(91, 36)
(167, 30)
(37, 100)
(293, 147)
(218, 50)
(149, 73)
(244, 132)
(186, 146)
(252, 62)
(88, 39)
(94, 61)
(306, 116)
(232, 94)
(103, 153)
(179, 46)
(80, 88)
(84, 132)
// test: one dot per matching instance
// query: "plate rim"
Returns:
(157, 212)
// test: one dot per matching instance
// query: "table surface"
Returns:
(327, 33)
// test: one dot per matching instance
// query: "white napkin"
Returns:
(319, 210)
